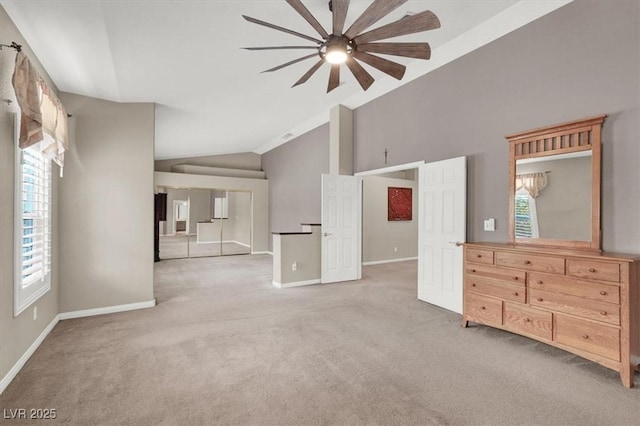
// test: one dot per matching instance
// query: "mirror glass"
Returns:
(203, 222)
(553, 197)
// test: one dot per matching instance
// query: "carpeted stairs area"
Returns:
(224, 346)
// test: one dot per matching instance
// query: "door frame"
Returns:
(399, 168)
(402, 167)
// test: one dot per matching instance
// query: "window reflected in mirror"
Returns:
(553, 197)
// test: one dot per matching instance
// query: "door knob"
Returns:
(457, 243)
(326, 234)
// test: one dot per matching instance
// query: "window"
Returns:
(526, 217)
(33, 227)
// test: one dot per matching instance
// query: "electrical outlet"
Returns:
(395, 249)
(294, 266)
(35, 313)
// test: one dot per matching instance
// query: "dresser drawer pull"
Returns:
(527, 320)
(592, 270)
(478, 256)
(473, 284)
(515, 293)
(473, 270)
(482, 308)
(603, 313)
(516, 278)
(585, 336)
(540, 299)
(527, 262)
(604, 293)
(540, 282)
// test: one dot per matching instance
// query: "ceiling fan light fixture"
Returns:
(336, 55)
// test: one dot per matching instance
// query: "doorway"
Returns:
(441, 220)
(206, 223)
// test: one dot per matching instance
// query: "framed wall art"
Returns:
(399, 204)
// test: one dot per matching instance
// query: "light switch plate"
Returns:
(490, 224)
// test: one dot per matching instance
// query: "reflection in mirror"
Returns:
(205, 222)
(553, 197)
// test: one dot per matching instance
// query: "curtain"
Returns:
(533, 183)
(43, 122)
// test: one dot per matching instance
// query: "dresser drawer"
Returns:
(591, 309)
(531, 262)
(523, 319)
(483, 309)
(484, 285)
(594, 338)
(574, 287)
(478, 255)
(510, 276)
(605, 271)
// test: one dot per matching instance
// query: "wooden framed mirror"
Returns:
(554, 185)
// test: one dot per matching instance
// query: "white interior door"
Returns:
(341, 228)
(443, 222)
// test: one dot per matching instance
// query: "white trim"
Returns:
(11, 374)
(380, 262)
(107, 310)
(25, 296)
(224, 242)
(391, 169)
(510, 19)
(270, 253)
(295, 283)
(552, 157)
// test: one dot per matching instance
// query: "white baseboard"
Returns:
(295, 283)
(107, 310)
(263, 252)
(67, 315)
(380, 262)
(11, 374)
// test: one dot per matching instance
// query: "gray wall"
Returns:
(245, 161)
(106, 205)
(238, 226)
(379, 236)
(564, 206)
(17, 334)
(579, 61)
(199, 208)
(294, 170)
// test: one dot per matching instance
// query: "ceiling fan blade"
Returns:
(280, 47)
(364, 78)
(409, 50)
(295, 61)
(334, 77)
(376, 11)
(304, 12)
(309, 73)
(340, 9)
(419, 22)
(284, 30)
(386, 66)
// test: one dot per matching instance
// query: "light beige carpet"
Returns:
(225, 347)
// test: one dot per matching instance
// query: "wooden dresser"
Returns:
(586, 303)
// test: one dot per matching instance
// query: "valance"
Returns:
(533, 183)
(43, 122)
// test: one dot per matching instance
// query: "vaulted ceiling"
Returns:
(211, 97)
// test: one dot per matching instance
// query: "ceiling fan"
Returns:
(354, 45)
